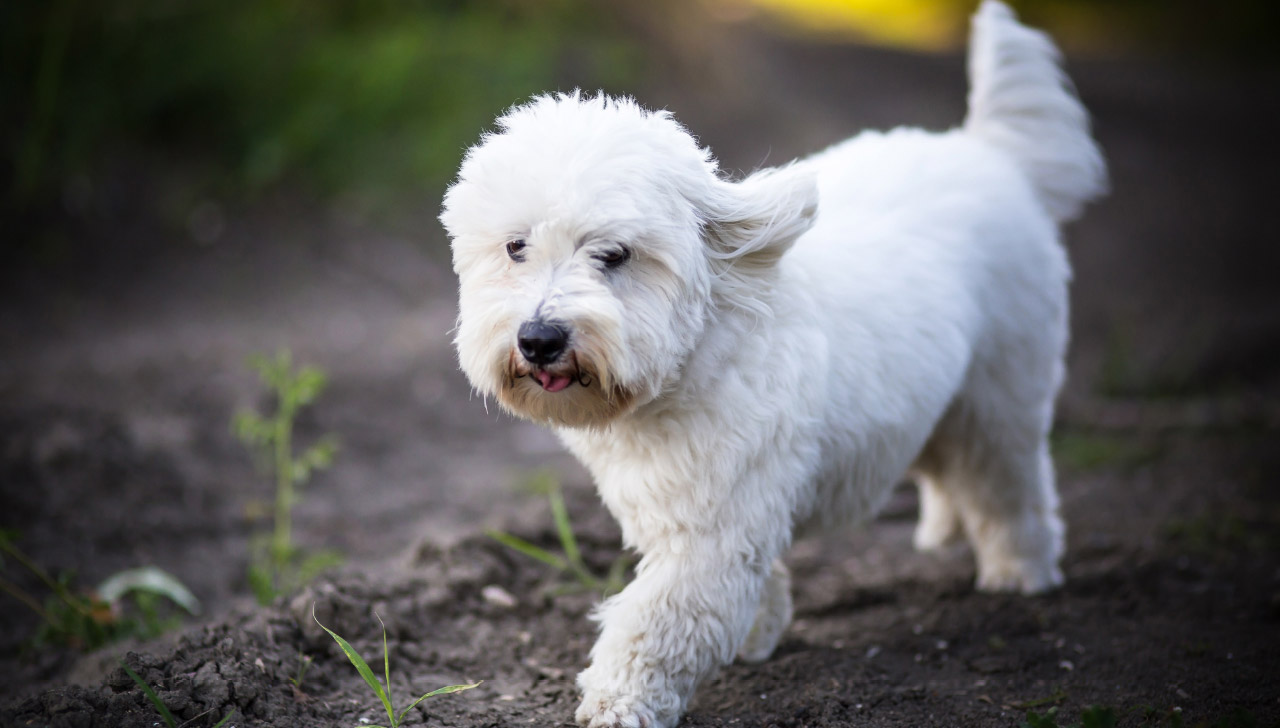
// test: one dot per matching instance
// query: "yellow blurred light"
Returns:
(918, 24)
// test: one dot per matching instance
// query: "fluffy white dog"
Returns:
(734, 361)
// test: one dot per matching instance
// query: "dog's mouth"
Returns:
(575, 390)
(553, 377)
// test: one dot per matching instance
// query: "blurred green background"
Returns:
(375, 100)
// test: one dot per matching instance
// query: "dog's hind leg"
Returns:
(988, 467)
(772, 617)
(1009, 508)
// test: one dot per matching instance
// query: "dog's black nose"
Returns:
(542, 342)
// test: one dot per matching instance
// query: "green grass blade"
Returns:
(361, 666)
(386, 669)
(616, 579)
(148, 579)
(541, 483)
(224, 720)
(528, 549)
(151, 695)
(565, 529)
(1053, 699)
(569, 542)
(439, 691)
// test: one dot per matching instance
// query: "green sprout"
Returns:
(277, 565)
(394, 720)
(304, 662)
(167, 716)
(570, 561)
(126, 604)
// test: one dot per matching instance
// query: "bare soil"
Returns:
(122, 366)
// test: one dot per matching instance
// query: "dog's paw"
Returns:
(760, 645)
(1026, 577)
(599, 710)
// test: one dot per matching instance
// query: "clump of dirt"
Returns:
(1150, 631)
(443, 627)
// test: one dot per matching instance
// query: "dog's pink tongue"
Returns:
(553, 383)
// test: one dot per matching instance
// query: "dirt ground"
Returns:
(121, 368)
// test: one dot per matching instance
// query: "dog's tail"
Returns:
(1022, 102)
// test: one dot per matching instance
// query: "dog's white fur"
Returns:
(777, 352)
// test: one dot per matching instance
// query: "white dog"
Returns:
(733, 361)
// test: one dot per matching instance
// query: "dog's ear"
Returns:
(750, 224)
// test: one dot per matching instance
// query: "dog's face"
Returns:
(593, 243)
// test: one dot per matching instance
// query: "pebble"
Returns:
(498, 596)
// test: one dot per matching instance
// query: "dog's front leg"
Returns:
(686, 613)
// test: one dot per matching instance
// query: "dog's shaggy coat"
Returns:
(734, 361)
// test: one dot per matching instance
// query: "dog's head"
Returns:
(594, 243)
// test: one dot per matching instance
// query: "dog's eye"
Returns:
(515, 249)
(613, 258)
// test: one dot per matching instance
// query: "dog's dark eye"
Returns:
(613, 258)
(515, 249)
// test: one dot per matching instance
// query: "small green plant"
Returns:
(304, 662)
(570, 560)
(277, 565)
(1037, 720)
(165, 715)
(394, 720)
(126, 604)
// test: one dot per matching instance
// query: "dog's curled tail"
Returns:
(1022, 102)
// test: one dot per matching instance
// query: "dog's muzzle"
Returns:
(542, 344)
